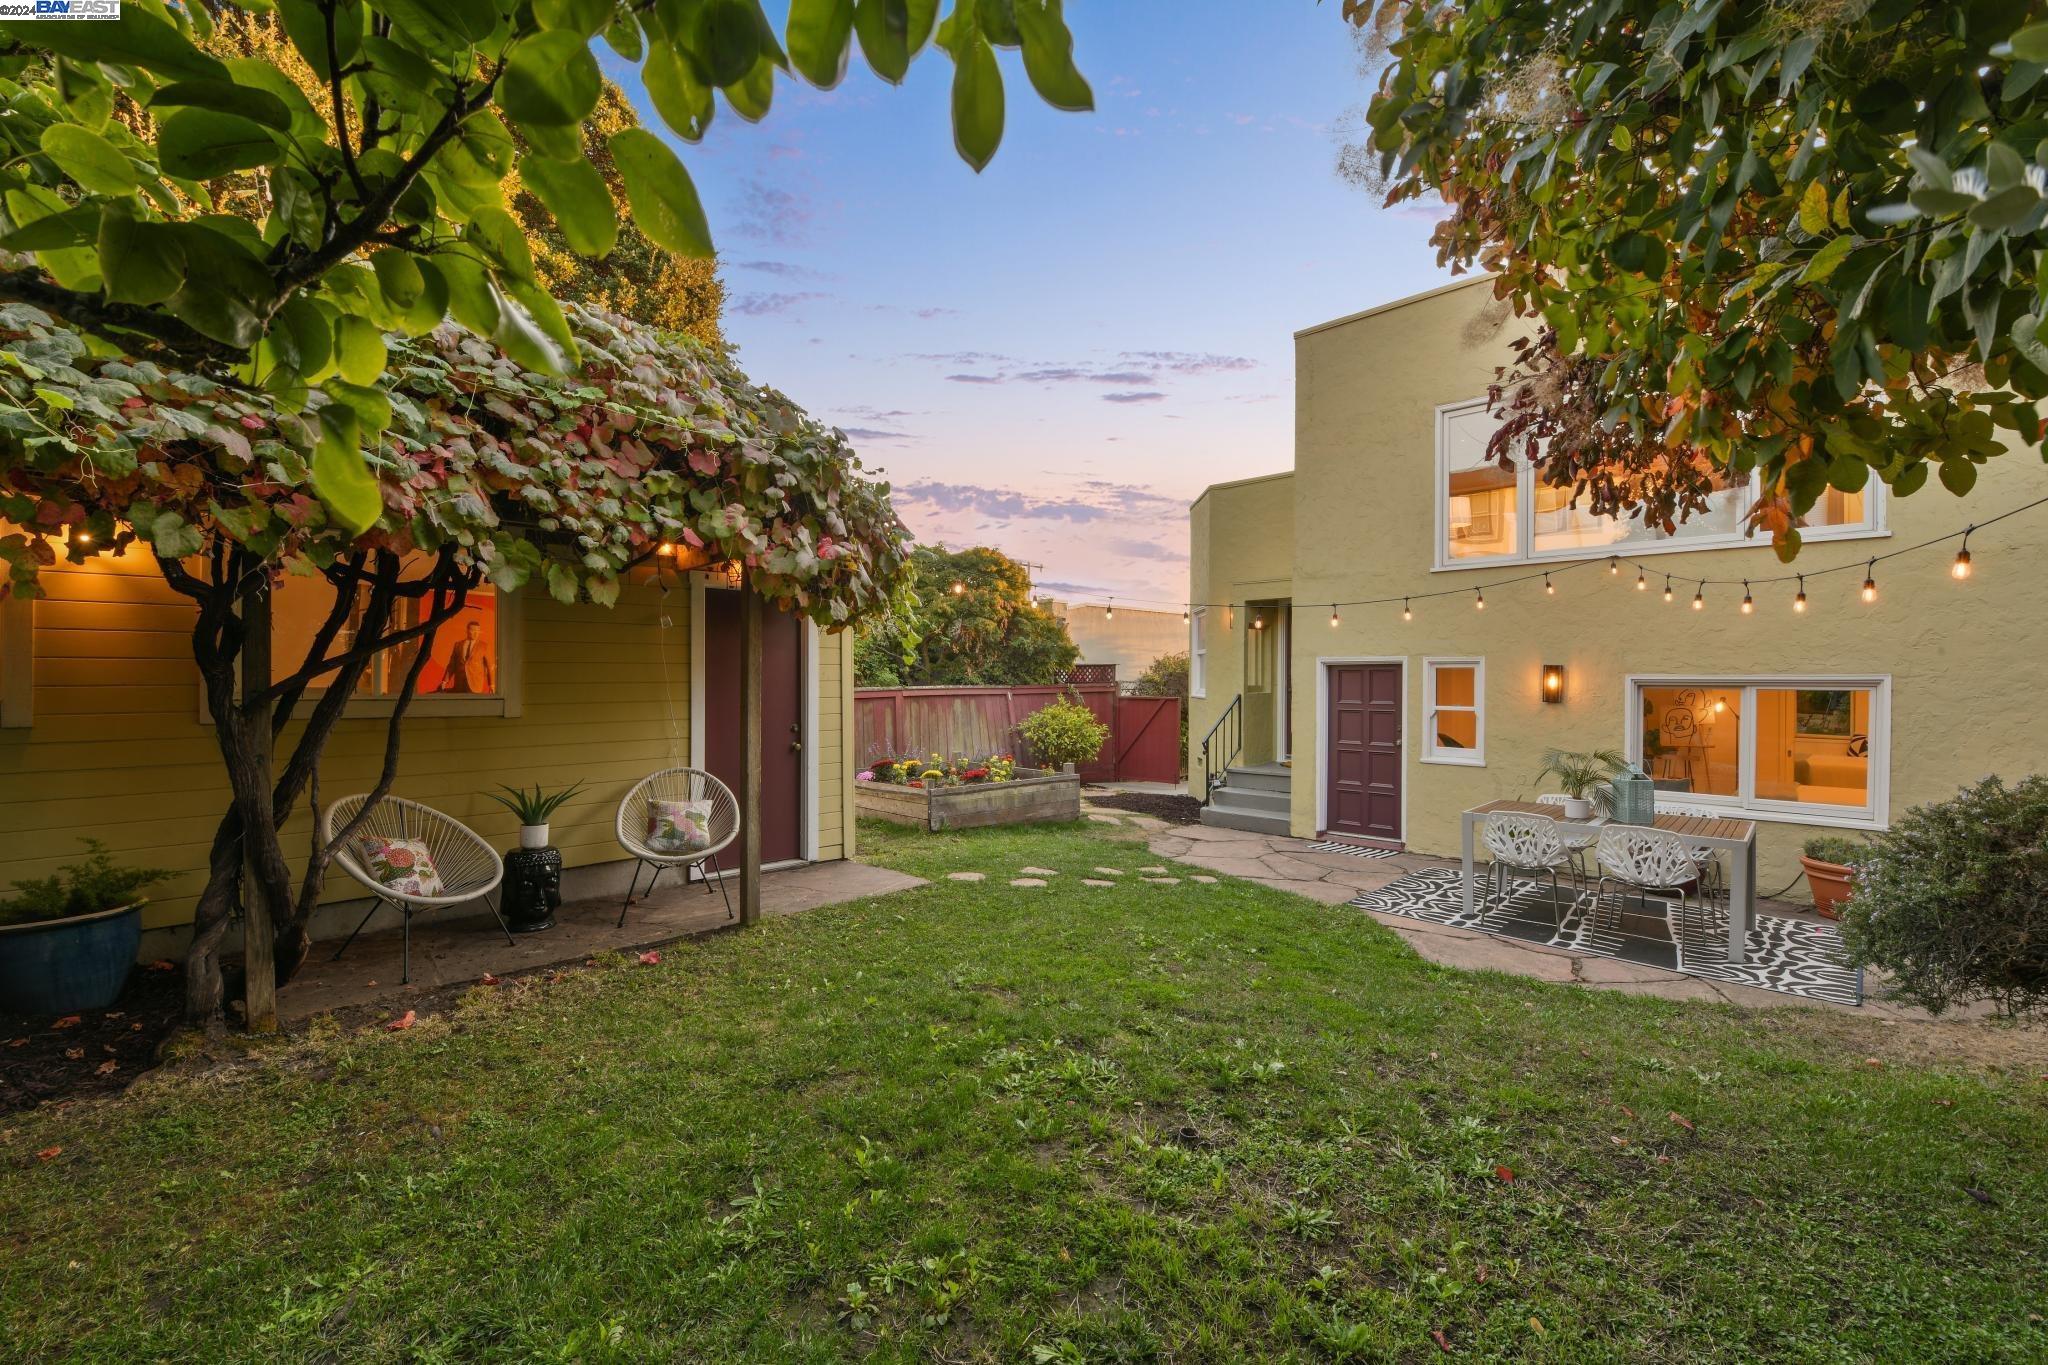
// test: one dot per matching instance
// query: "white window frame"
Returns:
(1474, 757)
(1198, 654)
(1875, 814)
(1874, 526)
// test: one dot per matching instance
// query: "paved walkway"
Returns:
(458, 951)
(1291, 865)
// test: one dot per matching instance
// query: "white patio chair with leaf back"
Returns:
(1527, 845)
(1648, 861)
(1713, 886)
(1578, 841)
(385, 850)
(677, 818)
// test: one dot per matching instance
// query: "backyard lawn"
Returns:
(978, 1122)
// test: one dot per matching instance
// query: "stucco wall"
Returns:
(1964, 659)
(1130, 639)
(1242, 550)
(118, 749)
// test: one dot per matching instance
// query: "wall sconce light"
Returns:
(1553, 682)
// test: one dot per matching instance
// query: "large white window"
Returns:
(1198, 653)
(1813, 750)
(1454, 711)
(1488, 515)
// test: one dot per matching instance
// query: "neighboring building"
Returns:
(1831, 720)
(103, 730)
(1123, 636)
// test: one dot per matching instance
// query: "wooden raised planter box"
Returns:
(1032, 795)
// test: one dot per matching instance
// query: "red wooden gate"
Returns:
(1146, 735)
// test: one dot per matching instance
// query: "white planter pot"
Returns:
(533, 836)
(1577, 808)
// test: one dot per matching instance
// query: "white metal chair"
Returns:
(1529, 845)
(469, 868)
(676, 784)
(1647, 861)
(1713, 886)
(1578, 841)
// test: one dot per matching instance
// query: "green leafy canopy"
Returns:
(127, 149)
(1796, 238)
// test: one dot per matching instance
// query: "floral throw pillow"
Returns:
(678, 826)
(404, 865)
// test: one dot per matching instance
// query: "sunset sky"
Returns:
(1055, 356)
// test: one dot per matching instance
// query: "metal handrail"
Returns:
(1228, 742)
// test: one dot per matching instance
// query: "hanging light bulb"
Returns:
(1406, 614)
(1961, 568)
(1258, 620)
(667, 549)
(1870, 581)
(1667, 587)
(1333, 616)
(85, 538)
(1548, 586)
(1699, 598)
(1183, 615)
(1748, 602)
(1479, 600)
(1109, 612)
(1614, 564)
(1799, 602)
(1642, 583)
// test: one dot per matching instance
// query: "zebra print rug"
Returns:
(1355, 850)
(1793, 956)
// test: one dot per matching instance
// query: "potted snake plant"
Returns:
(67, 941)
(1583, 778)
(534, 809)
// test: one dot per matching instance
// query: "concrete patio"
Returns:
(458, 949)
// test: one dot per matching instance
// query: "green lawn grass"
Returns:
(977, 1122)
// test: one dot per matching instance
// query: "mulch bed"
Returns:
(98, 1052)
(1175, 810)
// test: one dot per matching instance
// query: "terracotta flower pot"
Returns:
(1831, 883)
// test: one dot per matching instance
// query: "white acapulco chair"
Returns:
(1528, 845)
(468, 867)
(676, 784)
(1647, 860)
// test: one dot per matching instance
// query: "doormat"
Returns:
(1792, 956)
(1355, 850)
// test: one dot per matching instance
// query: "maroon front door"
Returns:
(782, 709)
(1364, 736)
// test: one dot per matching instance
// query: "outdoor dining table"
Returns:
(1736, 838)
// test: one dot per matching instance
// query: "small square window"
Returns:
(1454, 711)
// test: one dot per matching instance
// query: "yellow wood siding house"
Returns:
(1833, 718)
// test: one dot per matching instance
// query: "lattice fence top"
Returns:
(1085, 675)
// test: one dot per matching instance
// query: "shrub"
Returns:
(1833, 848)
(1953, 900)
(1065, 732)
(85, 887)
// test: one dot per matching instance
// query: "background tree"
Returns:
(1796, 237)
(989, 633)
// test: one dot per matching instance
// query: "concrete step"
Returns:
(1256, 822)
(1258, 800)
(1262, 777)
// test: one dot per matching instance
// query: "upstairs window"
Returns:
(1486, 514)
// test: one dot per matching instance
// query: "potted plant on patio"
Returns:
(67, 941)
(1582, 777)
(1830, 863)
(533, 871)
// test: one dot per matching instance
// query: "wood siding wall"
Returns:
(118, 748)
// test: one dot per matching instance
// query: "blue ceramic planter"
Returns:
(63, 966)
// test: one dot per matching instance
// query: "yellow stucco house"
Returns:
(103, 728)
(1381, 724)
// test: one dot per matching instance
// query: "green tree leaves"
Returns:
(551, 79)
(204, 144)
(664, 199)
(95, 163)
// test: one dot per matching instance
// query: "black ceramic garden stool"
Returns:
(533, 888)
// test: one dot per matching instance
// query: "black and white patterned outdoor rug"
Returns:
(1355, 850)
(1795, 956)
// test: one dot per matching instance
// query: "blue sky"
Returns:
(1055, 356)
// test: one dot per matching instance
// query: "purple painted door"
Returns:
(1364, 738)
(782, 699)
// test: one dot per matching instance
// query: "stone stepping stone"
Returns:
(1206, 881)
(1027, 881)
(1096, 881)
(1105, 819)
(1039, 871)
(965, 876)
(1164, 881)
(1155, 871)
(1110, 871)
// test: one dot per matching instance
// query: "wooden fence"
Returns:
(969, 722)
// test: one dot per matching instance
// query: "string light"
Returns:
(1799, 602)
(1406, 614)
(1870, 581)
(85, 538)
(1183, 615)
(959, 588)
(1961, 568)
(667, 549)
(1109, 612)
(1548, 586)
(1258, 620)
(1333, 616)
(1479, 596)
(1748, 602)
(1667, 587)
(1614, 564)
(1699, 598)
(1642, 583)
